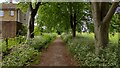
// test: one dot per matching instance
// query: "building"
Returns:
(11, 19)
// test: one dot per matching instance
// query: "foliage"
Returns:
(12, 42)
(56, 16)
(40, 42)
(114, 25)
(22, 30)
(19, 55)
(114, 39)
(23, 54)
(83, 49)
(37, 30)
(23, 6)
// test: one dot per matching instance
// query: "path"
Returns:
(57, 55)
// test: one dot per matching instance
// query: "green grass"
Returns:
(87, 35)
(114, 39)
(90, 36)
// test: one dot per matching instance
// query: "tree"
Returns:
(102, 14)
(32, 8)
(76, 11)
(61, 16)
(54, 16)
(33, 12)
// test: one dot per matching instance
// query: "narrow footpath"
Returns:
(57, 55)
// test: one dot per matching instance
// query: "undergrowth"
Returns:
(25, 53)
(83, 49)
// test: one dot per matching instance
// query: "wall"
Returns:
(23, 17)
(7, 16)
(8, 29)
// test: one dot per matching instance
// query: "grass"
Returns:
(114, 39)
(90, 36)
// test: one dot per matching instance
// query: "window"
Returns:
(1, 13)
(11, 13)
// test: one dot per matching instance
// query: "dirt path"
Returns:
(57, 55)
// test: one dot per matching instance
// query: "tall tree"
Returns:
(102, 14)
(73, 19)
(61, 16)
(33, 12)
(32, 8)
(54, 16)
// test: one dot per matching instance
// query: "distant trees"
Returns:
(62, 16)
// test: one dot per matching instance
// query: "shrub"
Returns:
(12, 42)
(40, 42)
(83, 49)
(22, 54)
(19, 56)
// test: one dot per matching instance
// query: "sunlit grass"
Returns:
(90, 36)
(114, 39)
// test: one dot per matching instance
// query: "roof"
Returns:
(9, 6)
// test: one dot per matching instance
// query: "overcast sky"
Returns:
(7, 0)
(2, 1)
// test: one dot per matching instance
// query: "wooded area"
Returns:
(89, 29)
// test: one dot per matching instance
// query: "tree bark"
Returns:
(101, 23)
(73, 20)
(33, 12)
(74, 25)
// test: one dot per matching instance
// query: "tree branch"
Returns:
(110, 13)
(31, 8)
(37, 5)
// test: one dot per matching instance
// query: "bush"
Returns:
(22, 54)
(40, 42)
(12, 42)
(83, 50)
(19, 56)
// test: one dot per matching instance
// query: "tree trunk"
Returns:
(73, 20)
(32, 26)
(101, 23)
(33, 12)
(74, 25)
(30, 33)
(101, 37)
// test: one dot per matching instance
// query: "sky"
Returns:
(7, 0)
(2, 1)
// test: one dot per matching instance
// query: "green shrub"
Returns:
(22, 54)
(12, 42)
(19, 56)
(83, 49)
(40, 42)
